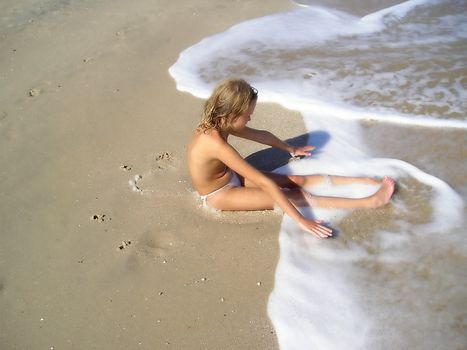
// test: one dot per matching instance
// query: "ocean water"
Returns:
(392, 278)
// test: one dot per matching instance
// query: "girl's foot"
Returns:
(384, 193)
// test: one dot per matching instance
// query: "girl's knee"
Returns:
(299, 180)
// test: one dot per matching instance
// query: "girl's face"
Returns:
(244, 118)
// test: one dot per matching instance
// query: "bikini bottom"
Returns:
(234, 182)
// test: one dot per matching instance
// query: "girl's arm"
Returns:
(229, 156)
(267, 138)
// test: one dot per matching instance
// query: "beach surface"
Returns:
(104, 245)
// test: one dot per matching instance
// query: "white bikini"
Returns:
(233, 182)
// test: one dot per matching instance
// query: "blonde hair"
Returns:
(229, 100)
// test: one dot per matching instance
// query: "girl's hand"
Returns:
(302, 151)
(315, 228)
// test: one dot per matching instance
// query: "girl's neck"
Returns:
(224, 134)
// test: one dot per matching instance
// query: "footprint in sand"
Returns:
(161, 162)
(100, 217)
(125, 167)
(123, 245)
(151, 247)
(34, 92)
(165, 160)
(135, 186)
(155, 244)
(3, 116)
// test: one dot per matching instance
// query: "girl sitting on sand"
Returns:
(225, 181)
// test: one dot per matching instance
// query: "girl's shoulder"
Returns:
(206, 143)
(205, 146)
(211, 136)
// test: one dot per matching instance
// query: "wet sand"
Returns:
(103, 243)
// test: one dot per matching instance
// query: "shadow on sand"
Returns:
(272, 158)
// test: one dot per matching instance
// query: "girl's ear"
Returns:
(227, 122)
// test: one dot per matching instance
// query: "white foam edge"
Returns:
(341, 320)
(196, 87)
(398, 11)
(341, 111)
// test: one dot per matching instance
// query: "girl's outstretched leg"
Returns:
(380, 198)
(293, 181)
(252, 198)
(310, 180)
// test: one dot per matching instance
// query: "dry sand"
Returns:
(86, 106)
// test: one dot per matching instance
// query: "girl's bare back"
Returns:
(208, 173)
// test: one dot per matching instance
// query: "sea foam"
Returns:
(391, 277)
